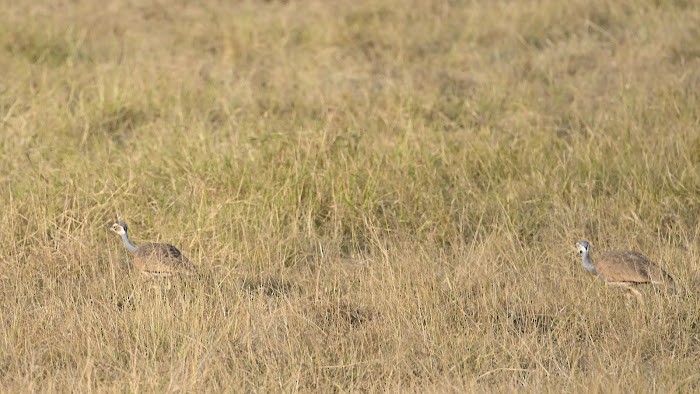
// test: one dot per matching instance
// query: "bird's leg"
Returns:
(631, 289)
(637, 294)
(640, 300)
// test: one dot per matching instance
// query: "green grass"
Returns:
(381, 195)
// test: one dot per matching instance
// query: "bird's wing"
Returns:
(625, 267)
(164, 259)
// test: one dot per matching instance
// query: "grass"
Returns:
(381, 196)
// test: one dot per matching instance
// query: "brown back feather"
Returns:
(629, 266)
(162, 259)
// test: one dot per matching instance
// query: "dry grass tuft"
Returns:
(381, 196)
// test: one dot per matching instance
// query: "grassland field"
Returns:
(381, 196)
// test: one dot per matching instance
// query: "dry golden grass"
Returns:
(382, 195)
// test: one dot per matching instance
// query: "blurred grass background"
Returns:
(382, 195)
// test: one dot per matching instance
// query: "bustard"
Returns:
(155, 259)
(625, 269)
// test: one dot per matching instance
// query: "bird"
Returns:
(155, 259)
(625, 269)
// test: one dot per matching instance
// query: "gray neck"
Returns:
(127, 242)
(588, 264)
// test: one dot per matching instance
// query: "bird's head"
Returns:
(582, 247)
(119, 228)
